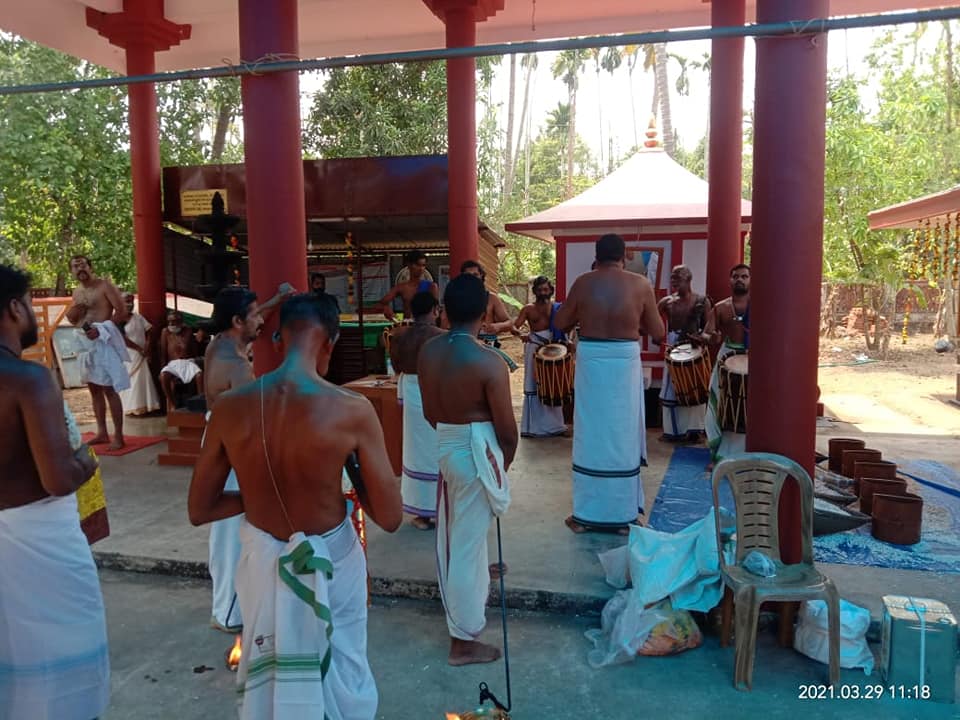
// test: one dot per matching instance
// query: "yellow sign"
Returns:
(197, 202)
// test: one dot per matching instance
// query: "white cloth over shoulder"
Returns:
(537, 419)
(141, 397)
(473, 489)
(53, 636)
(305, 639)
(184, 370)
(609, 433)
(103, 360)
(418, 484)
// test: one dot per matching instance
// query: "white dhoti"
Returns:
(678, 420)
(721, 443)
(305, 639)
(609, 433)
(103, 361)
(141, 397)
(473, 489)
(418, 484)
(183, 370)
(53, 636)
(537, 419)
(224, 552)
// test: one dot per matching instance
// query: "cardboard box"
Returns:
(918, 647)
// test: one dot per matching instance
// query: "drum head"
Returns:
(684, 353)
(552, 352)
(737, 364)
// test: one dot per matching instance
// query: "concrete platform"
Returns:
(550, 567)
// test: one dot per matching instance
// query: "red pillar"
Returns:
(787, 245)
(462, 140)
(461, 18)
(724, 248)
(276, 216)
(142, 31)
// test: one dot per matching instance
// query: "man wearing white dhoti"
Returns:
(477, 436)
(53, 642)
(141, 397)
(179, 353)
(301, 578)
(689, 321)
(418, 483)
(612, 308)
(99, 310)
(732, 320)
(538, 420)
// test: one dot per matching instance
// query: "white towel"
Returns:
(183, 370)
(418, 484)
(305, 639)
(609, 433)
(141, 397)
(103, 360)
(722, 444)
(53, 636)
(537, 419)
(473, 489)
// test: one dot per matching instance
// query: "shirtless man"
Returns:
(54, 633)
(273, 431)
(689, 320)
(418, 482)
(732, 318)
(474, 421)
(537, 419)
(612, 307)
(416, 262)
(178, 353)
(98, 308)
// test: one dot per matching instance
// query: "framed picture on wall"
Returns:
(646, 261)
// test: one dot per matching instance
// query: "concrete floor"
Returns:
(550, 567)
(155, 647)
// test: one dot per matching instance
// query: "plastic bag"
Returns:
(615, 567)
(812, 640)
(759, 564)
(627, 629)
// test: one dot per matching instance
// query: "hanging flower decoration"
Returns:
(350, 268)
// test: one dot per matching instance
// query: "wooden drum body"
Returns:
(733, 393)
(554, 371)
(690, 369)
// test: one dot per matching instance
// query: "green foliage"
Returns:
(396, 109)
(64, 179)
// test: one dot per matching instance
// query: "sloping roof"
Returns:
(344, 27)
(912, 213)
(650, 187)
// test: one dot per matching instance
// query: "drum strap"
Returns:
(557, 334)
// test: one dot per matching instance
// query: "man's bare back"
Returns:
(482, 387)
(311, 429)
(611, 304)
(226, 366)
(406, 343)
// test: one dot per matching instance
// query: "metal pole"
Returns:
(256, 67)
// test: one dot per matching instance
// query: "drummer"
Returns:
(732, 321)
(689, 320)
(419, 281)
(538, 420)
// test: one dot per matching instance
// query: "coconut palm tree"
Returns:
(567, 67)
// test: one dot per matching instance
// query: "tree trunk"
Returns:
(571, 140)
(948, 59)
(633, 107)
(663, 91)
(521, 142)
(600, 113)
(224, 118)
(508, 146)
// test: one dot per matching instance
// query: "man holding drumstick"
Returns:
(689, 320)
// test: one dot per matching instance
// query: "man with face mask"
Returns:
(538, 420)
(732, 318)
(99, 311)
(178, 358)
(689, 321)
(53, 647)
